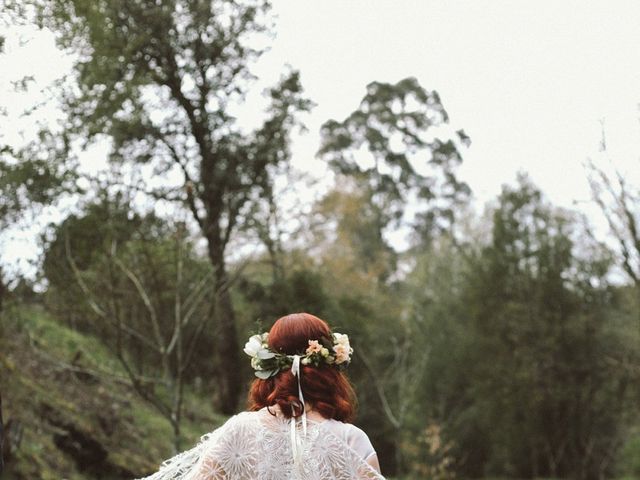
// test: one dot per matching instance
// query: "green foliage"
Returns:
(407, 160)
(29, 180)
(83, 258)
(511, 355)
(56, 383)
(526, 366)
(357, 239)
(159, 80)
(299, 290)
(431, 455)
(506, 354)
(629, 463)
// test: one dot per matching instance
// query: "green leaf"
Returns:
(264, 374)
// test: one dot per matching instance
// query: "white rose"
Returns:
(341, 339)
(343, 353)
(253, 346)
(265, 353)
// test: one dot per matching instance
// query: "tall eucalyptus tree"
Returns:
(159, 81)
(399, 148)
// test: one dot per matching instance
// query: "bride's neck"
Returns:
(312, 413)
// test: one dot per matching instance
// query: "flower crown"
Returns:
(268, 363)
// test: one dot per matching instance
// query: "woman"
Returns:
(297, 424)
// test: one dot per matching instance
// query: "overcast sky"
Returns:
(530, 82)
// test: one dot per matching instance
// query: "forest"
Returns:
(496, 340)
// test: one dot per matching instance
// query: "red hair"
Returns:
(325, 388)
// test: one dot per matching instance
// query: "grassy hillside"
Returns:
(69, 411)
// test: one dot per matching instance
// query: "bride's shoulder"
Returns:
(352, 435)
(345, 427)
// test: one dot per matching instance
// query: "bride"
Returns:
(297, 427)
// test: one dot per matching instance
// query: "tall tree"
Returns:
(28, 182)
(398, 147)
(542, 317)
(159, 80)
(396, 157)
(619, 202)
(147, 296)
(1, 437)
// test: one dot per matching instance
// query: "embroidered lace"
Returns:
(257, 446)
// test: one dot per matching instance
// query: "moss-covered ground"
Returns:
(70, 412)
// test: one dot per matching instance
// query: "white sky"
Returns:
(529, 81)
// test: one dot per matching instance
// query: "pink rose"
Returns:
(314, 347)
(342, 353)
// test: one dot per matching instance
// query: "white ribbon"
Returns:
(296, 446)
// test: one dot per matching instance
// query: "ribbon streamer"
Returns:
(296, 447)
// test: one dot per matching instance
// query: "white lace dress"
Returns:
(258, 446)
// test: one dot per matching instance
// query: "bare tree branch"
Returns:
(380, 390)
(93, 304)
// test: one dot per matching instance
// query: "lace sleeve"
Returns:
(198, 463)
(209, 468)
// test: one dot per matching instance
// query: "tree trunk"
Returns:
(226, 357)
(3, 291)
(175, 426)
(1, 438)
